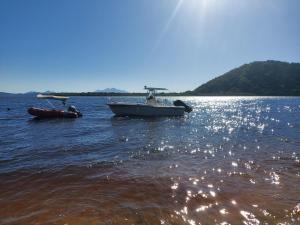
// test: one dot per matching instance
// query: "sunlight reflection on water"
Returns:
(233, 160)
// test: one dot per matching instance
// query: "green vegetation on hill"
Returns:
(268, 78)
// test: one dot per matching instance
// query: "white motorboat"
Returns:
(151, 108)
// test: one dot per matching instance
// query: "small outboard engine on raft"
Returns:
(74, 110)
(181, 103)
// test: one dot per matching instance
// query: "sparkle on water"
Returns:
(233, 160)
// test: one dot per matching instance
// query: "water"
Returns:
(233, 160)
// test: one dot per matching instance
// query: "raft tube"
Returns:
(51, 113)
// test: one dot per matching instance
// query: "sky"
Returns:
(79, 45)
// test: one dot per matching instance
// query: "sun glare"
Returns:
(197, 10)
(201, 5)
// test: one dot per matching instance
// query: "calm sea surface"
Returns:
(233, 160)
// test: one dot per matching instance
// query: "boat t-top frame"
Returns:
(151, 100)
(63, 99)
(152, 90)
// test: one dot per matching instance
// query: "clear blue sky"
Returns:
(84, 45)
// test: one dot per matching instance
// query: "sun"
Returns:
(198, 9)
(202, 5)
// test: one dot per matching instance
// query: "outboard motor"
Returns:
(181, 103)
(74, 110)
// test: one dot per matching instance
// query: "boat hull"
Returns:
(145, 110)
(47, 113)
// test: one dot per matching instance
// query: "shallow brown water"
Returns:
(231, 161)
(86, 196)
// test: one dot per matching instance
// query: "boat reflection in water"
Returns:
(151, 108)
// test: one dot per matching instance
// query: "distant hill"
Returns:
(111, 90)
(268, 78)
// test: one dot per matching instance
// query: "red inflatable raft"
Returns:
(51, 113)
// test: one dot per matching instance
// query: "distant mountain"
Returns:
(269, 78)
(111, 90)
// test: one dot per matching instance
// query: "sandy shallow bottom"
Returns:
(110, 195)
